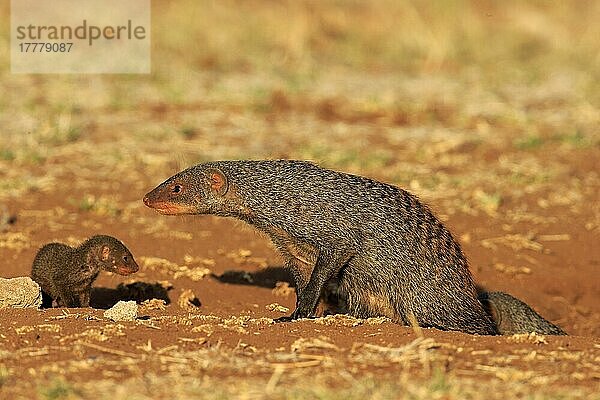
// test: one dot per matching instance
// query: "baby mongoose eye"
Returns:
(125, 259)
(177, 189)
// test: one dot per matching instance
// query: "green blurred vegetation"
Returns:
(524, 37)
(516, 41)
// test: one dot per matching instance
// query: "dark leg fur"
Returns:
(69, 300)
(84, 298)
(328, 264)
(46, 300)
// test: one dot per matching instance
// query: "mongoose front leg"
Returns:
(69, 300)
(328, 264)
(300, 257)
(301, 272)
(84, 298)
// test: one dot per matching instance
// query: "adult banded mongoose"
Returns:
(387, 252)
(65, 274)
(511, 315)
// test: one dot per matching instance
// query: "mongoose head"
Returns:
(111, 255)
(196, 190)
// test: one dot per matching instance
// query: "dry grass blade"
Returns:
(304, 344)
(297, 364)
(109, 350)
(514, 241)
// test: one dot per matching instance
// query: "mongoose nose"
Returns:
(146, 201)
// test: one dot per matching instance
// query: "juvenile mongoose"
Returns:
(66, 273)
(511, 315)
(389, 255)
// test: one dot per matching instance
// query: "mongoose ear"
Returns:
(105, 253)
(218, 181)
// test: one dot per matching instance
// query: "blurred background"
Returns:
(348, 83)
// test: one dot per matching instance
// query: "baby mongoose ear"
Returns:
(218, 181)
(105, 253)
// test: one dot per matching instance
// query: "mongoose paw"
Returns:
(295, 315)
(300, 313)
(283, 319)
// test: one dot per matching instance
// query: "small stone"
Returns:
(283, 289)
(153, 304)
(21, 292)
(122, 311)
(277, 307)
(188, 301)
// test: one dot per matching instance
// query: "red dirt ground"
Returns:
(562, 285)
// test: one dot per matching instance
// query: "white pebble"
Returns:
(21, 292)
(122, 311)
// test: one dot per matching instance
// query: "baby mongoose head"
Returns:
(197, 190)
(110, 255)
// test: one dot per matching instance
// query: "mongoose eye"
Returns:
(125, 258)
(177, 189)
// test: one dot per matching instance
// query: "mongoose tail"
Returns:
(514, 316)
(385, 249)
